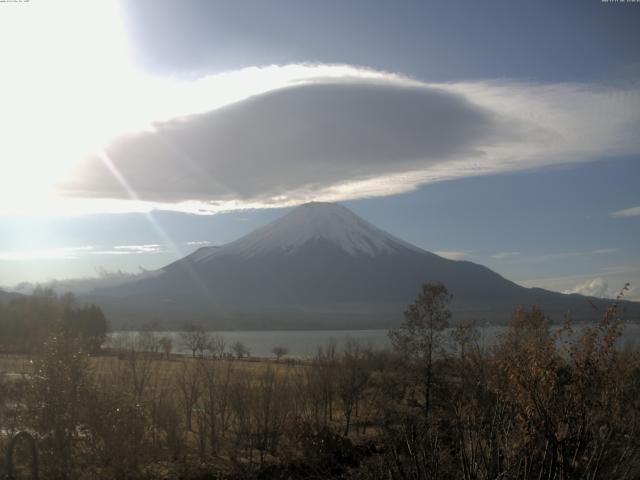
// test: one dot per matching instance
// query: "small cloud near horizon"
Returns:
(503, 255)
(627, 212)
(131, 249)
(597, 287)
(145, 248)
(452, 254)
(603, 251)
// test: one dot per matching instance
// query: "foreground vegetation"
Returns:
(540, 404)
(26, 322)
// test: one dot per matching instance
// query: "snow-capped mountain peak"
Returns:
(314, 221)
(322, 266)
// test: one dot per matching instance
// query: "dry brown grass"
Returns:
(10, 363)
(20, 364)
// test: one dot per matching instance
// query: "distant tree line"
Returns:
(26, 322)
(192, 338)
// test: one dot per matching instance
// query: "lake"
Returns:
(304, 343)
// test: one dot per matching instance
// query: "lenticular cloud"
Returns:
(348, 133)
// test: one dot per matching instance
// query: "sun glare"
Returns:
(69, 85)
(65, 69)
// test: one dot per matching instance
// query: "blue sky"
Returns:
(431, 40)
(498, 132)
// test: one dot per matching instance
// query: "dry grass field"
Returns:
(104, 364)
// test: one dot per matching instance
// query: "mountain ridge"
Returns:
(6, 296)
(319, 266)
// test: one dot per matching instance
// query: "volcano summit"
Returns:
(323, 267)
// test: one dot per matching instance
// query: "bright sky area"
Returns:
(503, 133)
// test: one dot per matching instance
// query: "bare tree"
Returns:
(419, 335)
(137, 371)
(270, 410)
(352, 378)
(212, 405)
(166, 344)
(217, 345)
(122, 341)
(147, 341)
(189, 381)
(194, 338)
(465, 334)
(323, 379)
(279, 352)
(240, 349)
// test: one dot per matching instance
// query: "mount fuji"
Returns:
(319, 266)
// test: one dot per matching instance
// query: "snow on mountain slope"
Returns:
(312, 221)
(321, 266)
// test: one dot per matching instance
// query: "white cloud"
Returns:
(603, 251)
(145, 248)
(131, 249)
(452, 254)
(607, 282)
(261, 136)
(503, 255)
(627, 212)
(358, 134)
(282, 135)
(111, 252)
(198, 243)
(597, 287)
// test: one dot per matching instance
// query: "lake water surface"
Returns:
(304, 343)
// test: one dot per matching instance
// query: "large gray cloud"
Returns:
(306, 137)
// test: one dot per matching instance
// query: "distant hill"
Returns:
(7, 296)
(321, 266)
